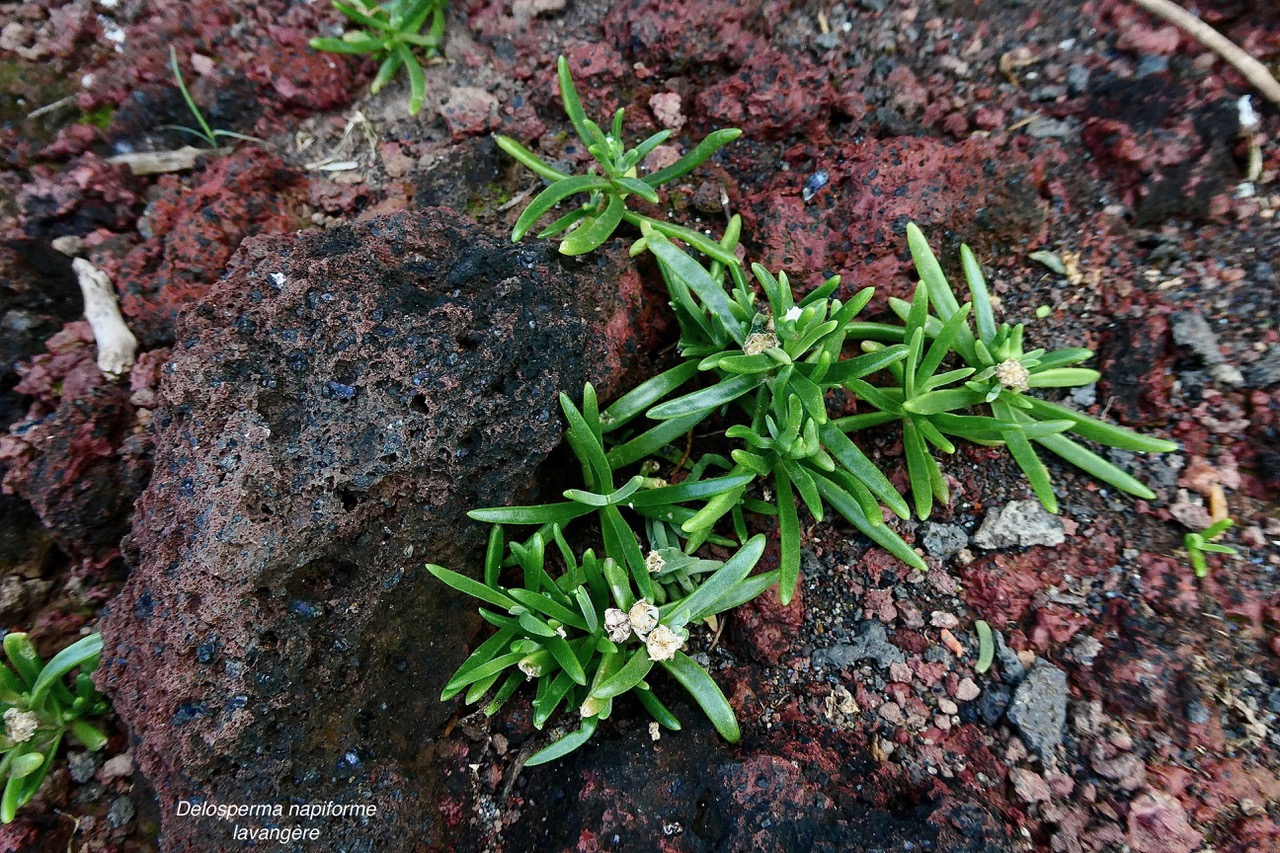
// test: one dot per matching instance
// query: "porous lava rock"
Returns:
(691, 791)
(193, 231)
(854, 223)
(81, 454)
(684, 33)
(330, 413)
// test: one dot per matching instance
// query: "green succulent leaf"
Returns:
(626, 678)
(657, 710)
(596, 230)
(706, 693)
(706, 600)
(473, 588)
(564, 745)
(79, 654)
(986, 647)
(553, 195)
(690, 161)
(707, 399)
(529, 160)
(1100, 431)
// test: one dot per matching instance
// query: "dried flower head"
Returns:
(617, 625)
(655, 562)
(1012, 375)
(530, 667)
(758, 342)
(19, 726)
(643, 616)
(663, 643)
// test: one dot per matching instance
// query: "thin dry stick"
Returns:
(1253, 70)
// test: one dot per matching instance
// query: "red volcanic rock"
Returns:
(855, 225)
(1158, 824)
(331, 412)
(193, 232)
(775, 94)
(690, 32)
(80, 456)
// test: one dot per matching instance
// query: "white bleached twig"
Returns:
(117, 347)
(1253, 70)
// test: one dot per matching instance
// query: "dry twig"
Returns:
(1253, 70)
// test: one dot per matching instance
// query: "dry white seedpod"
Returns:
(655, 562)
(617, 625)
(19, 726)
(663, 643)
(530, 667)
(643, 616)
(1012, 374)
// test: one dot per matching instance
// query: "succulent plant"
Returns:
(1199, 544)
(588, 226)
(1005, 372)
(771, 366)
(39, 710)
(392, 30)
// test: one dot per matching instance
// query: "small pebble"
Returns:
(121, 812)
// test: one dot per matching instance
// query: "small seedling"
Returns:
(587, 227)
(206, 133)
(391, 32)
(1199, 544)
(39, 710)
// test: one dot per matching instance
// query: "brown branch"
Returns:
(1253, 70)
